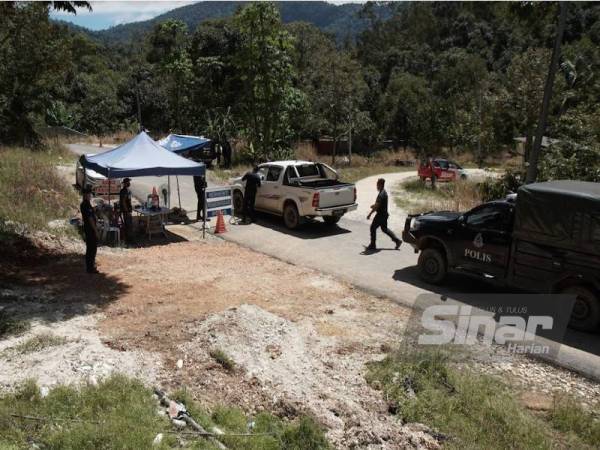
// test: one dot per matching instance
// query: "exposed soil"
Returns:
(299, 339)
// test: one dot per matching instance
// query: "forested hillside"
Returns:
(437, 77)
(340, 20)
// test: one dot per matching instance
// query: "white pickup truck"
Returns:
(297, 190)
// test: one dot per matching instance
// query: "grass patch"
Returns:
(32, 193)
(469, 408)
(118, 413)
(349, 174)
(121, 413)
(224, 175)
(38, 343)
(352, 174)
(11, 326)
(415, 196)
(223, 359)
(570, 418)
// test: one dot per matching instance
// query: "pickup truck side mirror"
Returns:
(462, 220)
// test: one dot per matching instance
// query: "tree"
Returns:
(263, 64)
(169, 44)
(525, 91)
(537, 145)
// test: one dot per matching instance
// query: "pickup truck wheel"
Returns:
(432, 266)
(586, 310)
(331, 220)
(291, 218)
(238, 203)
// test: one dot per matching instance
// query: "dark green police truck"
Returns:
(546, 240)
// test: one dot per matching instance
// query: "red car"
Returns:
(443, 170)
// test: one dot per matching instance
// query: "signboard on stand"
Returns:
(217, 199)
(108, 187)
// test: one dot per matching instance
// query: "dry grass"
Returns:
(38, 343)
(414, 196)
(32, 192)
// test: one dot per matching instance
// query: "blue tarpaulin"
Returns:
(178, 143)
(141, 156)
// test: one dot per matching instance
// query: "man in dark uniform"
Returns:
(89, 228)
(380, 208)
(252, 180)
(200, 187)
(126, 209)
(226, 148)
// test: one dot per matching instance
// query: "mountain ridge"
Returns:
(341, 20)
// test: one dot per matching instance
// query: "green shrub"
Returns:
(494, 189)
(568, 160)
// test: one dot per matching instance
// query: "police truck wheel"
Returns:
(586, 310)
(331, 220)
(291, 218)
(432, 266)
(238, 203)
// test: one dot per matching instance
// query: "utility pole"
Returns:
(532, 169)
(350, 141)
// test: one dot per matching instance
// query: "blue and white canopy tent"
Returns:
(179, 143)
(141, 156)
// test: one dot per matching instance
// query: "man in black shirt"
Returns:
(89, 228)
(380, 208)
(252, 180)
(226, 149)
(126, 209)
(200, 187)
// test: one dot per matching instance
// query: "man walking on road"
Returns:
(380, 208)
(200, 187)
(252, 180)
(90, 231)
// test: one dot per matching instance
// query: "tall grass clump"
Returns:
(32, 192)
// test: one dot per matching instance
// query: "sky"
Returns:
(106, 14)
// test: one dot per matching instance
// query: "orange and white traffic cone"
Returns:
(220, 227)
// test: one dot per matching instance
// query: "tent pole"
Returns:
(169, 189)
(108, 187)
(178, 193)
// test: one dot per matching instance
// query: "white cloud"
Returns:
(133, 7)
(118, 12)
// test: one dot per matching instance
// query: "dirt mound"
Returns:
(306, 370)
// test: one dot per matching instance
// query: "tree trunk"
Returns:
(532, 169)
(334, 150)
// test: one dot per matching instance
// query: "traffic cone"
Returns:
(220, 227)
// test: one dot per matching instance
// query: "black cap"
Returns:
(126, 180)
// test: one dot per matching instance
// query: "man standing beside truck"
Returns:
(252, 180)
(380, 208)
